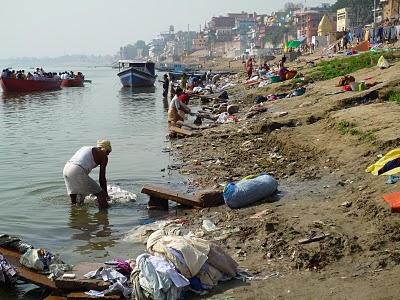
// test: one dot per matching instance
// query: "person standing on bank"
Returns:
(77, 169)
(165, 86)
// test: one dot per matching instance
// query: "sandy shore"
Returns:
(323, 189)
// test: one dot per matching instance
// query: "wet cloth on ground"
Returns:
(193, 257)
(194, 250)
(153, 280)
(8, 274)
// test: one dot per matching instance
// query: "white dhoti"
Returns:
(78, 182)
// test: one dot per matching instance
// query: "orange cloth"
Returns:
(393, 200)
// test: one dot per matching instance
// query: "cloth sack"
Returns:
(32, 260)
(246, 192)
(383, 63)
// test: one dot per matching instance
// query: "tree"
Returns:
(291, 6)
(360, 9)
(275, 35)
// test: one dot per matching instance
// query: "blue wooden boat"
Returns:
(136, 73)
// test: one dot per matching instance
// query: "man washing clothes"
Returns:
(77, 169)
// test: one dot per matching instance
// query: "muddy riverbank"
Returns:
(324, 190)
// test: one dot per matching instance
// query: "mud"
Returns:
(324, 189)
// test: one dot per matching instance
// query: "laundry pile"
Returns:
(177, 263)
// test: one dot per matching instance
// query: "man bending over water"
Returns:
(77, 169)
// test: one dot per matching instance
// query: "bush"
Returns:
(343, 66)
(394, 96)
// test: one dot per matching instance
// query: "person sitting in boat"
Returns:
(29, 76)
(6, 73)
(56, 76)
(21, 75)
(40, 72)
(65, 75)
(76, 173)
(175, 108)
(80, 76)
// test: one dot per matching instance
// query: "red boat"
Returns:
(23, 85)
(75, 82)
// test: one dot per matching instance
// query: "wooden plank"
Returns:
(51, 297)
(24, 273)
(181, 131)
(80, 283)
(83, 296)
(167, 194)
(314, 238)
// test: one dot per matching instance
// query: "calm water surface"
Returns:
(39, 132)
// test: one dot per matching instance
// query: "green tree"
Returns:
(291, 6)
(141, 45)
(276, 34)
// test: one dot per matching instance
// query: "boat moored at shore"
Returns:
(136, 74)
(26, 86)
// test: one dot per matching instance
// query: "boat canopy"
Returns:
(131, 61)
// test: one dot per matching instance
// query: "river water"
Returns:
(39, 132)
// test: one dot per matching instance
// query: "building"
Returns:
(199, 43)
(343, 20)
(307, 24)
(391, 9)
(307, 21)
(222, 23)
(326, 31)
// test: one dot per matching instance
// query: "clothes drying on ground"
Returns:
(387, 165)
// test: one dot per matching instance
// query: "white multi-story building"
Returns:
(343, 22)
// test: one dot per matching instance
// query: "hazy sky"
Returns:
(53, 27)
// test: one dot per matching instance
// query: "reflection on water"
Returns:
(165, 103)
(136, 92)
(21, 101)
(92, 228)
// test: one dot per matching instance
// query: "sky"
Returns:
(50, 28)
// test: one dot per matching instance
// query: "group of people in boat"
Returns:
(39, 74)
(71, 75)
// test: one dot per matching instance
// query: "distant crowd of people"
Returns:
(40, 74)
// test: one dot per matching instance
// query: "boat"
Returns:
(23, 85)
(72, 82)
(136, 73)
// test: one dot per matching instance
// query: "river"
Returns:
(39, 132)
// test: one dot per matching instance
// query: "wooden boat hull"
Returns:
(26, 86)
(72, 83)
(136, 78)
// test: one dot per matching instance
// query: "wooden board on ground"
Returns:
(24, 273)
(83, 296)
(80, 283)
(167, 194)
(180, 131)
(51, 297)
(80, 296)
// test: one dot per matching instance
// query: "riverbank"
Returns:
(318, 146)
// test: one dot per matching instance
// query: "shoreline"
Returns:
(323, 189)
